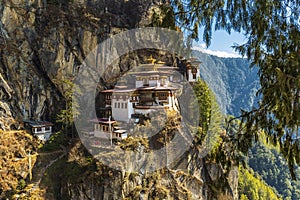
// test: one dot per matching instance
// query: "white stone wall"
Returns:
(170, 100)
(130, 110)
(153, 83)
(122, 110)
(191, 79)
(43, 134)
(138, 84)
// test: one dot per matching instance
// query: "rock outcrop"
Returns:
(191, 177)
(43, 42)
(18, 156)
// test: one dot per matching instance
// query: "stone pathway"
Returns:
(40, 175)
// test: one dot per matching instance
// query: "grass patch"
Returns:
(53, 144)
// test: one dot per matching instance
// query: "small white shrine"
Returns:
(105, 128)
(41, 129)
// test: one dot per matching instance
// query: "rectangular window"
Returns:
(145, 82)
(122, 105)
(119, 105)
(38, 129)
(125, 105)
(115, 105)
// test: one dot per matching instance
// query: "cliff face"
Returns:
(43, 42)
(190, 177)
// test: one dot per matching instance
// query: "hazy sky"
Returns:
(221, 44)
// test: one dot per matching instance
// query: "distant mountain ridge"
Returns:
(231, 79)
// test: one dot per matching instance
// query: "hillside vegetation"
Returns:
(266, 161)
(232, 80)
(252, 187)
(18, 151)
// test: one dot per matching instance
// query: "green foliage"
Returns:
(273, 39)
(251, 187)
(210, 117)
(21, 184)
(163, 18)
(211, 133)
(53, 144)
(243, 197)
(66, 116)
(204, 98)
(71, 111)
(270, 165)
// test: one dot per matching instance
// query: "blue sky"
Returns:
(220, 44)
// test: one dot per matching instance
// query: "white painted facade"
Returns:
(122, 109)
(43, 133)
(171, 101)
(41, 129)
(105, 130)
(139, 83)
(44, 136)
(153, 88)
(193, 77)
(154, 80)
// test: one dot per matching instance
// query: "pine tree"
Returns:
(66, 116)
(272, 31)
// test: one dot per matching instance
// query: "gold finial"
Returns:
(160, 62)
(151, 59)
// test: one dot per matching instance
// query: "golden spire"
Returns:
(151, 59)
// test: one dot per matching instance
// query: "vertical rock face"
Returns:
(43, 42)
(191, 177)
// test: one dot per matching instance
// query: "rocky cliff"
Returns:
(190, 177)
(43, 42)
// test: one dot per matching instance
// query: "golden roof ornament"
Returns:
(151, 59)
(161, 62)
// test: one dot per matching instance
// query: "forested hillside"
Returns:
(253, 187)
(232, 81)
(235, 85)
(271, 166)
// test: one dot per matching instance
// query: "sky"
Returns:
(220, 44)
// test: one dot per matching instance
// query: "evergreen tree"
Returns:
(66, 116)
(273, 39)
(210, 116)
(252, 187)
